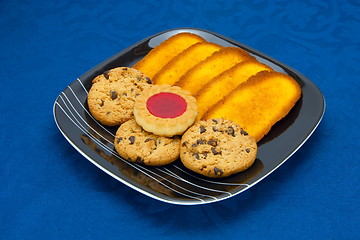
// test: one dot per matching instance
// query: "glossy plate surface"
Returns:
(173, 183)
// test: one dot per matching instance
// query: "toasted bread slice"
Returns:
(258, 103)
(194, 79)
(163, 53)
(223, 84)
(181, 63)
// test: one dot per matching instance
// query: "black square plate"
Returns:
(174, 183)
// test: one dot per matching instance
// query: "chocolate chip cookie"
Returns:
(217, 148)
(112, 96)
(133, 143)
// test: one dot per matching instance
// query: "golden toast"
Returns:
(258, 103)
(165, 51)
(223, 84)
(194, 79)
(181, 63)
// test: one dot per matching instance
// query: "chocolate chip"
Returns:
(113, 94)
(247, 150)
(215, 129)
(119, 140)
(148, 80)
(215, 152)
(214, 120)
(196, 155)
(194, 145)
(202, 129)
(212, 142)
(231, 131)
(132, 139)
(199, 141)
(151, 139)
(139, 160)
(125, 94)
(102, 103)
(106, 74)
(184, 144)
(218, 171)
(204, 154)
(243, 132)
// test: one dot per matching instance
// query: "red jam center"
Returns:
(166, 105)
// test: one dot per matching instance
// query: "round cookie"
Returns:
(112, 96)
(133, 143)
(165, 110)
(217, 148)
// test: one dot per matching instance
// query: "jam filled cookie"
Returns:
(217, 148)
(136, 145)
(165, 110)
(112, 96)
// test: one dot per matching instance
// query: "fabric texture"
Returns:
(50, 191)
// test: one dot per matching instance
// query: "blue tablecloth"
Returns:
(50, 191)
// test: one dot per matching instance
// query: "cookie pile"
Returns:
(190, 99)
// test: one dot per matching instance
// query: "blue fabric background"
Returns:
(49, 191)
